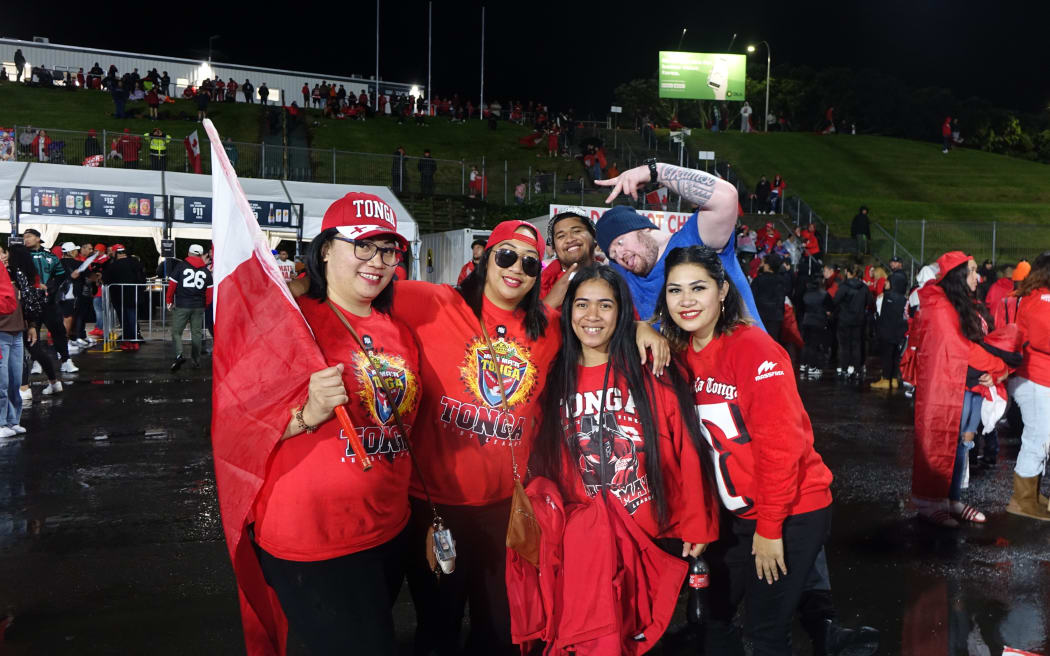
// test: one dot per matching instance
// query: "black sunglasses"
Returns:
(505, 258)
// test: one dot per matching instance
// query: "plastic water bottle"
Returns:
(699, 579)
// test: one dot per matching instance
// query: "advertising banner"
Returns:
(59, 201)
(269, 214)
(702, 75)
(669, 222)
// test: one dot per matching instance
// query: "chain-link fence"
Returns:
(991, 240)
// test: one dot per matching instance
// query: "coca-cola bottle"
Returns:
(699, 579)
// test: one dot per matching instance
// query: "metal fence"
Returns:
(990, 240)
(133, 313)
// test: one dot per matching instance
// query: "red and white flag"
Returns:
(657, 198)
(193, 151)
(261, 365)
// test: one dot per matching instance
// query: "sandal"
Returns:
(940, 518)
(967, 513)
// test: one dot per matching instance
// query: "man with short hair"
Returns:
(286, 266)
(477, 250)
(896, 271)
(427, 167)
(52, 275)
(637, 248)
(860, 229)
(571, 234)
(189, 292)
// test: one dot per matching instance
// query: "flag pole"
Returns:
(430, 41)
(375, 95)
(481, 106)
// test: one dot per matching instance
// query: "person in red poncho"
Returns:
(774, 487)
(611, 430)
(329, 535)
(947, 334)
(1031, 389)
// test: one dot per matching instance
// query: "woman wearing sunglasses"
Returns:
(330, 536)
(486, 348)
(773, 485)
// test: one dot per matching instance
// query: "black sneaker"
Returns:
(196, 363)
(178, 363)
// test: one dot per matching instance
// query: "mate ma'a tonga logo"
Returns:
(402, 383)
(515, 368)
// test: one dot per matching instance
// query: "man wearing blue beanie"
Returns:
(637, 248)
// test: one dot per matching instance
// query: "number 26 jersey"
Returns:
(190, 283)
(751, 415)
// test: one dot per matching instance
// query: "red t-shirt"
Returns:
(464, 451)
(1033, 318)
(317, 503)
(467, 269)
(551, 274)
(690, 517)
(753, 417)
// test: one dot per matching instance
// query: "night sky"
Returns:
(575, 53)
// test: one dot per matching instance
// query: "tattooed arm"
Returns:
(715, 197)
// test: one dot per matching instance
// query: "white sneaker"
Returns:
(849, 370)
(18, 428)
(27, 394)
(6, 432)
(69, 368)
(52, 388)
(36, 368)
(83, 342)
(73, 348)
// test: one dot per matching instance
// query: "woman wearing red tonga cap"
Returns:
(330, 535)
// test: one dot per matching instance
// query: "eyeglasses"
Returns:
(505, 258)
(366, 250)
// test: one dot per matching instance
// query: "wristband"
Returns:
(302, 424)
(652, 169)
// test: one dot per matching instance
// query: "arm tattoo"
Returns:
(692, 185)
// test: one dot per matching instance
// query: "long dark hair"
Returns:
(965, 302)
(1037, 278)
(315, 272)
(624, 363)
(733, 309)
(20, 259)
(472, 289)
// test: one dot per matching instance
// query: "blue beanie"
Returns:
(619, 221)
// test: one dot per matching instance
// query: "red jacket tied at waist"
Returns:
(602, 586)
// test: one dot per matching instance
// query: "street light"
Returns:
(769, 59)
(210, 39)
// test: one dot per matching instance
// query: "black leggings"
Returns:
(851, 346)
(769, 609)
(38, 352)
(57, 330)
(480, 533)
(889, 355)
(341, 605)
(814, 337)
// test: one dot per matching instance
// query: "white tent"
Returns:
(315, 198)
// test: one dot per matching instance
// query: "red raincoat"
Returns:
(602, 586)
(940, 366)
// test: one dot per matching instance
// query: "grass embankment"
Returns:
(906, 180)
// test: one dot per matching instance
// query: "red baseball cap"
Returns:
(360, 216)
(949, 261)
(118, 247)
(505, 231)
(100, 247)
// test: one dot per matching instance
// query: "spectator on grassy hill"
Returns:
(20, 65)
(128, 146)
(231, 90)
(760, 198)
(315, 95)
(956, 137)
(306, 94)
(946, 134)
(383, 105)
(94, 76)
(777, 191)
(860, 229)
(201, 99)
(264, 93)
(249, 91)
(165, 85)
(153, 102)
(745, 117)
(120, 97)
(767, 238)
(91, 145)
(399, 170)
(427, 167)
(519, 191)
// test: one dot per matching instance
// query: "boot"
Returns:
(1025, 501)
(883, 384)
(1043, 501)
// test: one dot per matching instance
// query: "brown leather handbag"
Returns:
(523, 531)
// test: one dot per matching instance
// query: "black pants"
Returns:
(341, 605)
(773, 327)
(889, 356)
(83, 313)
(851, 346)
(814, 338)
(769, 609)
(480, 533)
(38, 352)
(57, 330)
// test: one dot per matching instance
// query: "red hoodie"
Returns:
(753, 417)
(1033, 318)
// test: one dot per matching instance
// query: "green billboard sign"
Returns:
(702, 75)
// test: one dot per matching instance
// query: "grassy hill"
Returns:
(895, 178)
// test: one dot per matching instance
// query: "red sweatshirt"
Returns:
(1033, 318)
(689, 516)
(551, 274)
(753, 417)
(317, 503)
(463, 449)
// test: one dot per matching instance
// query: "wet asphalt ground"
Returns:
(110, 540)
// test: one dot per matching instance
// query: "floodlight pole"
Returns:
(769, 59)
(430, 40)
(375, 96)
(210, 39)
(481, 106)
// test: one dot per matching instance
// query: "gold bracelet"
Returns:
(303, 426)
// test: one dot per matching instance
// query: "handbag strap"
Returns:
(601, 426)
(502, 392)
(391, 399)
